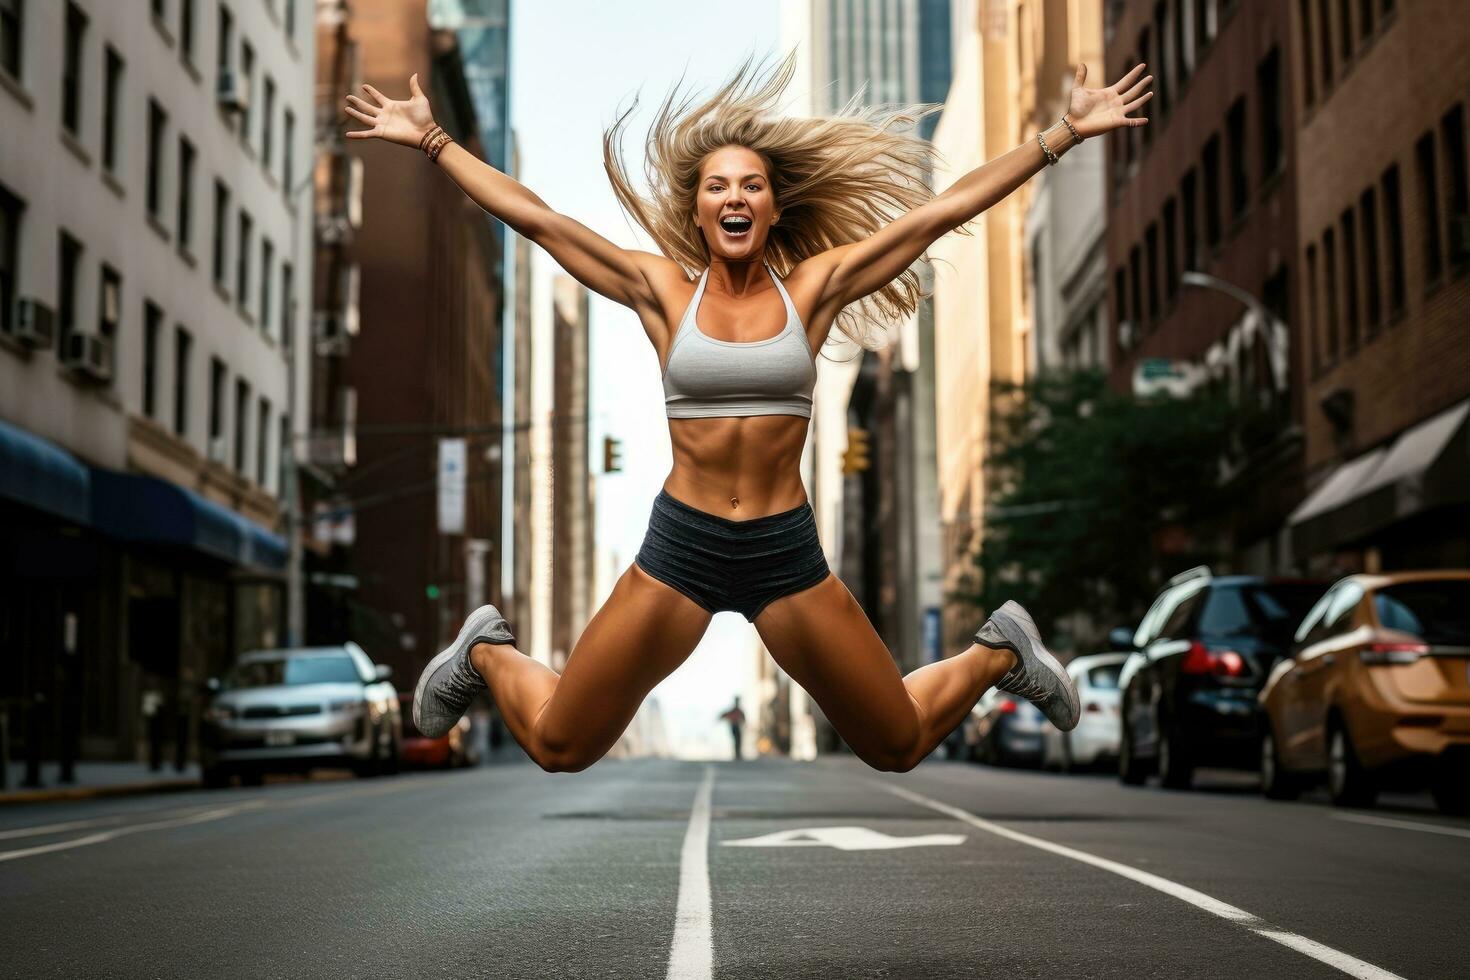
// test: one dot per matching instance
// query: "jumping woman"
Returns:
(788, 226)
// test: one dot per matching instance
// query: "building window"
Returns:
(225, 41)
(269, 114)
(1120, 302)
(1310, 312)
(1345, 30)
(284, 452)
(183, 345)
(1161, 69)
(1273, 137)
(157, 120)
(1350, 276)
(1324, 39)
(11, 25)
(109, 302)
(290, 139)
(1452, 134)
(247, 83)
(1212, 190)
(1329, 263)
(186, 29)
(71, 69)
(160, 9)
(1191, 222)
(152, 327)
(1151, 245)
(290, 18)
(1368, 217)
(66, 289)
(1235, 130)
(1181, 62)
(1171, 250)
(267, 256)
(11, 208)
(1365, 19)
(262, 440)
(288, 327)
(221, 216)
(1309, 78)
(242, 423)
(1429, 207)
(1135, 277)
(1201, 25)
(1393, 219)
(242, 264)
(185, 218)
(1145, 54)
(216, 409)
(111, 92)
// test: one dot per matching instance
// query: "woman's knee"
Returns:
(565, 753)
(897, 750)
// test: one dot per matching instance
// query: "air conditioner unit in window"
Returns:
(1127, 334)
(218, 449)
(88, 354)
(34, 324)
(231, 92)
(329, 332)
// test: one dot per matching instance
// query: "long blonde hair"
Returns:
(837, 179)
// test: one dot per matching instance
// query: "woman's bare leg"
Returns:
(822, 638)
(567, 721)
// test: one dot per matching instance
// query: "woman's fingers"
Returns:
(362, 105)
(360, 115)
(413, 85)
(362, 134)
(382, 99)
(1132, 93)
(1127, 79)
(1129, 107)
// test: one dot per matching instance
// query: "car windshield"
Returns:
(323, 669)
(1437, 611)
(1269, 610)
(1104, 678)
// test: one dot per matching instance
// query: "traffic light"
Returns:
(855, 459)
(431, 591)
(612, 458)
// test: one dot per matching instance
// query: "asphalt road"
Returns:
(653, 869)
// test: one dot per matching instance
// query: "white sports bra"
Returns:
(710, 378)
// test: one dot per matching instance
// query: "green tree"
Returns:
(1084, 483)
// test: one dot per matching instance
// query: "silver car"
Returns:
(295, 709)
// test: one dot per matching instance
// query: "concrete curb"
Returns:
(58, 793)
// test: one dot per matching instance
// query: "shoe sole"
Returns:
(472, 625)
(1016, 614)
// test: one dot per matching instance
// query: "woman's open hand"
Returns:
(396, 121)
(1098, 110)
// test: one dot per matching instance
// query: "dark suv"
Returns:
(1200, 656)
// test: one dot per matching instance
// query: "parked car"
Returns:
(1201, 656)
(1006, 730)
(1376, 693)
(1096, 736)
(448, 751)
(295, 709)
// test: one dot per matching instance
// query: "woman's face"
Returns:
(733, 184)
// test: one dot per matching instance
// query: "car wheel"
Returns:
(1130, 770)
(1347, 782)
(1451, 789)
(392, 761)
(1175, 769)
(1276, 782)
(371, 766)
(215, 777)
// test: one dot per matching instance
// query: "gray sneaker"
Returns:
(1037, 676)
(449, 683)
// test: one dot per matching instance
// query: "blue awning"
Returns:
(40, 474)
(142, 508)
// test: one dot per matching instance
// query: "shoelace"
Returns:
(463, 681)
(1025, 687)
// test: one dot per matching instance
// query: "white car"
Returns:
(1096, 736)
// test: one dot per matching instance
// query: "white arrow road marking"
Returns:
(1350, 965)
(844, 839)
(691, 956)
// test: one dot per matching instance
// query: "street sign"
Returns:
(452, 467)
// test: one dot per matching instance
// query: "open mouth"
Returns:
(736, 226)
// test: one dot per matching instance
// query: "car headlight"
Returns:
(219, 712)
(350, 707)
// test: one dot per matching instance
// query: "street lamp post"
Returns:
(1273, 329)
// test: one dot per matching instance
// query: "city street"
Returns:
(765, 869)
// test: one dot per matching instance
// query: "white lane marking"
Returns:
(1428, 828)
(1350, 965)
(843, 839)
(691, 957)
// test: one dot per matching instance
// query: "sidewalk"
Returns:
(94, 779)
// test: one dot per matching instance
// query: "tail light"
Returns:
(1220, 663)
(1008, 707)
(1092, 707)
(1392, 653)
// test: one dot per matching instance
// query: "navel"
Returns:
(734, 502)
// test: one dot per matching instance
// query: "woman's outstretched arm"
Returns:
(622, 275)
(864, 267)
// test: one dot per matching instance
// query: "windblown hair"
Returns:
(836, 179)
